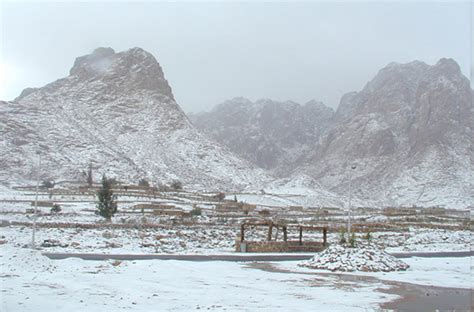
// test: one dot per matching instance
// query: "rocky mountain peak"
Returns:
(448, 66)
(397, 75)
(133, 69)
(116, 111)
(397, 89)
(319, 106)
(93, 64)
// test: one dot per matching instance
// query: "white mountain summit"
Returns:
(117, 111)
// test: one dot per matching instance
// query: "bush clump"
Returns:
(56, 208)
(47, 184)
(196, 211)
(144, 183)
(342, 236)
(177, 185)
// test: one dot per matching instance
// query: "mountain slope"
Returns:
(409, 132)
(117, 111)
(273, 135)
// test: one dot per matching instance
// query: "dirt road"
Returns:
(244, 257)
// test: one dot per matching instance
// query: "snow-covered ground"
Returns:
(363, 257)
(31, 282)
(214, 239)
(455, 272)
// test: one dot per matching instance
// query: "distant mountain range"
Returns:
(409, 133)
(274, 135)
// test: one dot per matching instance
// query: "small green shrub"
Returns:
(342, 236)
(177, 185)
(144, 183)
(352, 240)
(47, 184)
(196, 211)
(56, 208)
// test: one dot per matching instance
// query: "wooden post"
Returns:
(270, 229)
(301, 235)
(325, 233)
(242, 230)
(285, 234)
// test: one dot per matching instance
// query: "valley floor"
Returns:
(32, 282)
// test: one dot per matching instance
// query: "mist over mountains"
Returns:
(409, 132)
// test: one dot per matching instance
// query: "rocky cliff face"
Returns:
(116, 111)
(409, 132)
(273, 135)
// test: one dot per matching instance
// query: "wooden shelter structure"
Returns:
(274, 245)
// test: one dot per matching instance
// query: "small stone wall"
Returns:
(278, 246)
(43, 204)
(153, 206)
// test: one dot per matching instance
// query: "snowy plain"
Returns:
(36, 283)
(30, 281)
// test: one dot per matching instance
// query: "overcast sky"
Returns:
(211, 52)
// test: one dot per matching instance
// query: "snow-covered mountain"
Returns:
(409, 132)
(273, 135)
(116, 111)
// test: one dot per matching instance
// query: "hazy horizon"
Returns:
(212, 52)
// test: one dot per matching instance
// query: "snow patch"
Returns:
(365, 258)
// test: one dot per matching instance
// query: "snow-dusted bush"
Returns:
(177, 185)
(47, 184)
(196, 211)
(144, 183)
(56, 208)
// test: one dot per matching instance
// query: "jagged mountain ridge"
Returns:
(273, 135)
(117, 111)
(409, 131)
